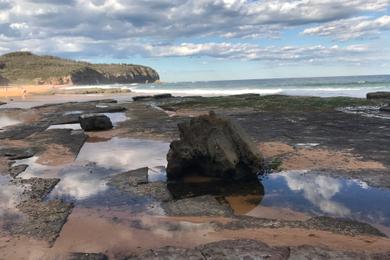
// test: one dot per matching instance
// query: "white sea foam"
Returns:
(207, 92)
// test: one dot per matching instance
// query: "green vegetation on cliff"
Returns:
(27, 68)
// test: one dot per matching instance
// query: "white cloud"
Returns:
(126, 48)
(319, 190)
(351, 28)
(163, 28)
(162, 19)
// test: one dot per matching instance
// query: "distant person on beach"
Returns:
(24, 93)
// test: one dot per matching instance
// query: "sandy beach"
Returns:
(25, 90)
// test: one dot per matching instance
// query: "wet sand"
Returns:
(25, 90)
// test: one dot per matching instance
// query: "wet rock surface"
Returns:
(16, 170)
(309, 252)
(151, 98)
(197, 206)
(213, 146)
(378, 95)
(87, 256)
(95, 122)
(40, 219)
(130, 178)
(136, 182)
(44, 218)
(334, 225)
(252, 249)
(385, 109)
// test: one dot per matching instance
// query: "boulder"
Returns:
(95, 122)
(213, 146)
(378, 95)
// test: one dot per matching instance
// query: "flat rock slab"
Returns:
(310, 252)
(242, 249)
(86, 256)
(197, 206)
(378, 95)
(230, 249)
(38, 189)
(16, 170)
(44, 220)
(155, 190)
(252, 249)
(334, 225)
(136, 182)
(385, 109)
(130, 178)
(41, 220)
(18, 153)
(343, 226)
(73, 140)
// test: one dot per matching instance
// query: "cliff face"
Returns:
(27, 68)
(89, 75)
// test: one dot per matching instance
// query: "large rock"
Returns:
(213, 146)
(378, 95)
(95, 122)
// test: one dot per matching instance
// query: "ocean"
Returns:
(353, 86)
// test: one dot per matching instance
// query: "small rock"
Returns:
(95, 122)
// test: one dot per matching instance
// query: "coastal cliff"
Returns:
(26, 68)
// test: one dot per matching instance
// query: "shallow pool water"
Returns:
(300, 194)
(124, 154)
(85, 180)
(323, 195)
(6, 121)
(116, 119)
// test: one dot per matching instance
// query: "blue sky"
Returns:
(190, 40)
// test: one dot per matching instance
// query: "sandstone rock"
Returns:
(378, 95)
(95, 122)
(213, 146)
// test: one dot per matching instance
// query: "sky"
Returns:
(195, 40)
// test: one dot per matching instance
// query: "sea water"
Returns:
(353, 86)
